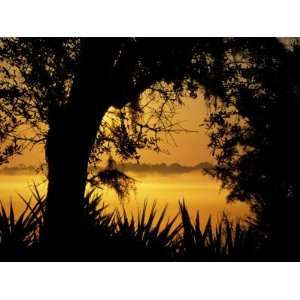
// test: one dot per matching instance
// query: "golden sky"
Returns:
(190, 148)
(200, 192)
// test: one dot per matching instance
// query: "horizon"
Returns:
(203, 125)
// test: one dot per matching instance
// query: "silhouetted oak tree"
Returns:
(62, 87)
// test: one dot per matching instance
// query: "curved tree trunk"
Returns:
(68, 150)
(70, 140)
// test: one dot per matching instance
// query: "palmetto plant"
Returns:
(145, 236)
(95, 212)
(20, 234)
(117, 235)
(226, 241)
(15, 233)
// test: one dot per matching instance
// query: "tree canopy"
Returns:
(86, 97)
(38, 78)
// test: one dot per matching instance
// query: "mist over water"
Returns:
(200, 192)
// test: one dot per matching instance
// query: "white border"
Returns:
(149, 18)
(151, 281)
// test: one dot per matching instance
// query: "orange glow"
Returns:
(200, 192)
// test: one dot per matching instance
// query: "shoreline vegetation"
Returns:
(162, 168)
(200, 192)
(121, 236)
(50, 98)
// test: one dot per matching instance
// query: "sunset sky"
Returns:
(190, 149)
(121, 250)
(200, 192)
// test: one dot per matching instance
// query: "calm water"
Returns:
(199, 192)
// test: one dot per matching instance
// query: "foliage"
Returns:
(144, 236)
(63, 89)
(115, 179)
(252, 131)
(39, 83)
(227, 241)
(117, 236)
(20, 235)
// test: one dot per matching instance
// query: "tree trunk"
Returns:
(68, 150)
(70, 140)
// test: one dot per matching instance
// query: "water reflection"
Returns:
(200, 193)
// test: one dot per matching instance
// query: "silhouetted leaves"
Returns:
(120, 236)
(63, 88)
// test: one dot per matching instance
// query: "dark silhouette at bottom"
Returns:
(117, 236)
